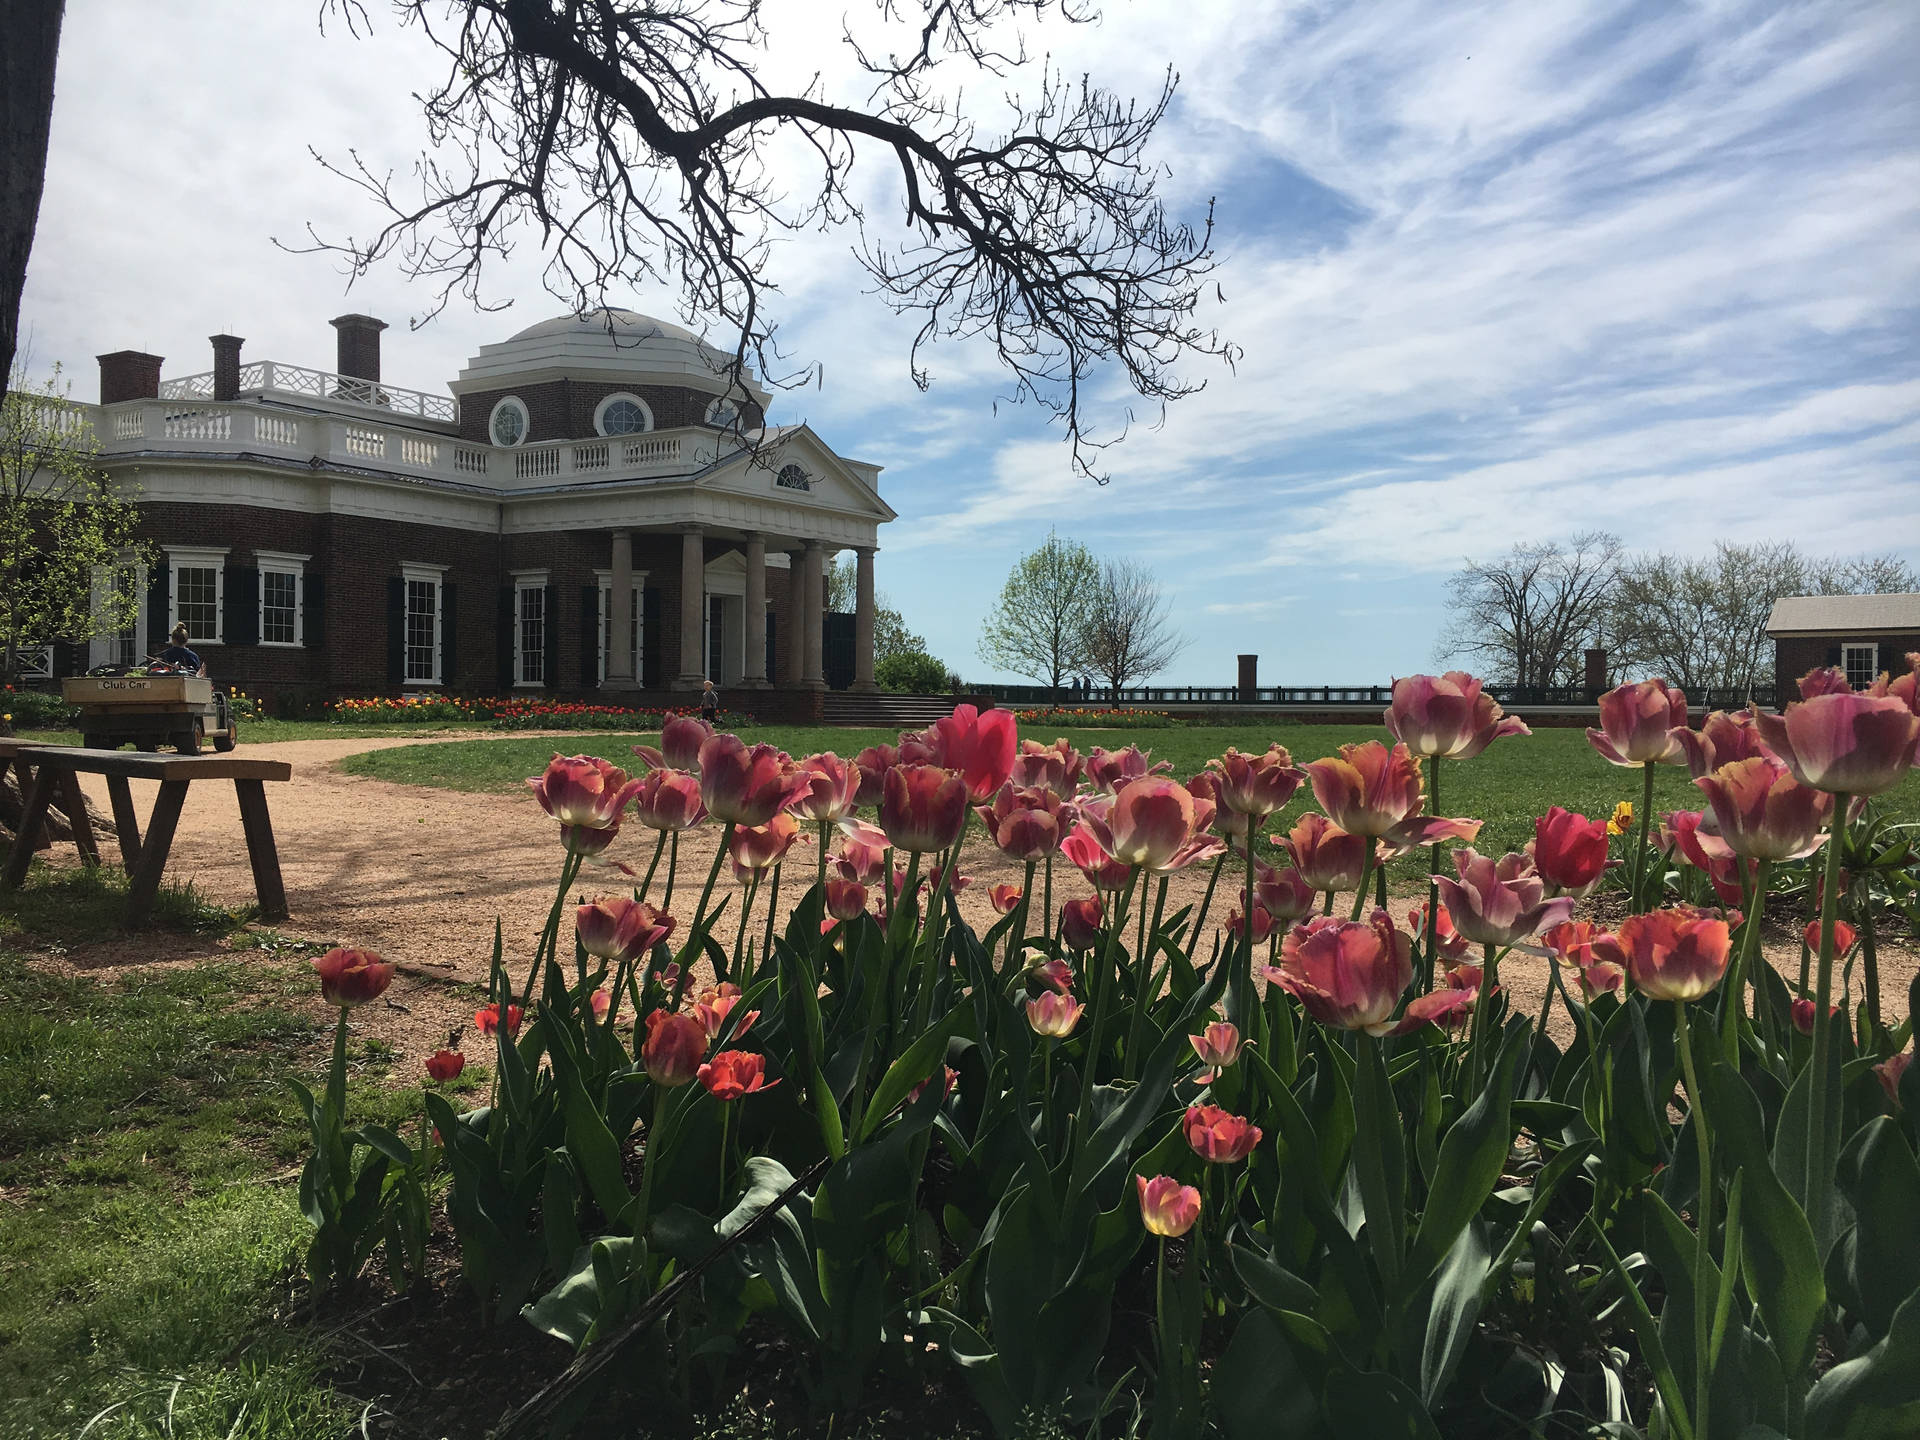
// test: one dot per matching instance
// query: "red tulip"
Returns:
(1448, 716)
(1216, 1136)
(1055, 975)
(585, 842)
(1327, 857)
(1720, 740)
(936, 873)
(1285, 895)
(1152, 824)
(833, 788)
(673, 1047)
(1004, 898)
(1025, 824)
(1448, 943)
(668, 800)
(733, 1073)
(873, 763)
(845, 898)
(1256, 785)
(1218, 1046)
(754, 849)
(1803, 1013)
(979, 745)
(1103, 872)
(1569, 850)
(949, 1078)
(1448, 1007)
(620, 930)
(1889, 1071)
(1080, 922)
(1367, 789)
(922, 808)
(1262, 924)
(352, 977)
(1695, 836)
(1347, 975)
(1499, 902)
(680, 741)
(1053, 1014)
(1637, 724)
(583, 791)
(487, 1020)
(1845, 744)
(444, 1065)
(1167, 1208)
(1229, 825)
(1762, 813)
(1108, 770)
(1054, 768)
(714, 1006)
(1843, 937)
(1675, 954)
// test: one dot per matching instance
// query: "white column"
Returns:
(754, 641)
(620, 674)
(792, 651)
(863, 611)
(813, 580)
(693, 604)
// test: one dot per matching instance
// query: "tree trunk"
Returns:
(32, 31)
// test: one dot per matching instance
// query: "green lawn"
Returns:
(1507, 786)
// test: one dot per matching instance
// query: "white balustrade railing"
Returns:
(591, 457)
(268, 377)
(276, 430)
(198, 425)
(650, 450)
(537, 464)
(470, 462)
(365, 443)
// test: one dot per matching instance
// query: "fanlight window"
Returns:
(723, 414)
(508, 425)
(792, 477)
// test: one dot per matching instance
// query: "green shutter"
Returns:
(242, 606)
(449, 633)
(505, 620)
(589, 636)
(650, 637)
(159, 605)
(396, 631)
(552, 628)
(313, 610)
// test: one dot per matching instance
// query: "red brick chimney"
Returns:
(359, 347)
(226, 365)
(129, 375)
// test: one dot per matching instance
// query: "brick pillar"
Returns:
(1596, 673)
(226, 365)
(359, 345)
(129, 375)
(1249, 678)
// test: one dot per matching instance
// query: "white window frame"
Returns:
(1851, 648)
(276, 562)
(509, 402)
(100, 649)
(434, 575)
(600, 415)
(733, 409)
(605, 579)
(523, 581)
(198, 558)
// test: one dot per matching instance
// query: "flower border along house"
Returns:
(590, 478)
(1861, 635)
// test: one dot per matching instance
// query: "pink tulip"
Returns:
(1762, 812)
(668, 800)
(833, 788)
(714, 1007)
(1447, 716)
(1153, 824)
(1285, 895)
(620, 929)
(1499, 902)
(680, 741)
(1108, 770)
(1830, 680)
(734, 1073)
(1367, 789)
(746, 785)
(1720, 740)
(845, 898)
(1054, 767)
(1080, 922)
(1218, 1046)
(1447, 1007)
(1637, 724)
(673, 1048)
(1417, 832)
(1053, 1014)
(1218, 1137)
(1055, 975)
(1675, 954)
(1167, 1208)
(1906, 689)
(1347, 974)
(949, 1078)
(1845, 744)
(923, 808)
(1803, 1012)
(1256, 785)
(859, 858)
(352, 977)
(1229, 825)
(1262, 924)
(1085, 849)
(873, 763)
(1449, 945)
(1004, 898)
(1889, 1071)
(1569, 850)
(757, 848)
(1327, 857)
(1696, 836)
(1843, 937)
(1026, 824)
(1578, 944)
(583, 791)
(979, 745)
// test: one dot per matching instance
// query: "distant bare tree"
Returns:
(635, 141)
(1128, 637)
(1038, 626)
(1525, 618)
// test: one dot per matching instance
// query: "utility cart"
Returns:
(149, 709)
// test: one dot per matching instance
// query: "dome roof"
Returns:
(603, 344)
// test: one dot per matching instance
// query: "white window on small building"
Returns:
(199, 593)
(507, 426)
(115, 586)
(530, 627)
(623, 414)
(281, 576)
(422, 637)
(636, 640)
(1862, 664)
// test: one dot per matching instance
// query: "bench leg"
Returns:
(154, 851)
(261, 851)
(39, 793)
(125, 820)
(74, 802)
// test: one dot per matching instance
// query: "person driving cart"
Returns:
(178, 654)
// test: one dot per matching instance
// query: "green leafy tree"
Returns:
(911, 673)
(890, 633)
(64, 527)
(1038, 627)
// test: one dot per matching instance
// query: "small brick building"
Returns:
(325, 533)
(1861, 634)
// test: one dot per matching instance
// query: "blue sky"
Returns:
(1499, 272)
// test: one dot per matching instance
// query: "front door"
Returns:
(717, 639)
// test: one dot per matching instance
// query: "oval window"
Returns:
(508, 424)
(623, 415)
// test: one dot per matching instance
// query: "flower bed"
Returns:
(512, 713)
(1097, 719)
(1304, 1170)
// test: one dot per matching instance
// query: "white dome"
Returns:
(604, 344)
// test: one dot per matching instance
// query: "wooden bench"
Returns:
(56, 770)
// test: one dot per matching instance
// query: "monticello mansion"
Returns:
(593, 508)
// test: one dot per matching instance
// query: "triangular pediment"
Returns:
(797, 454)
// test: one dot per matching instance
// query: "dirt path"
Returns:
(420, 875)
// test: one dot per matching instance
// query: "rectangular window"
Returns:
(531, 637)
(279, 607)
(1862, 664)
(196, 601)
(637, 642)
(115, 587)
(423, 631)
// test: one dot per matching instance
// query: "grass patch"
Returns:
(269, 732)
(67, 905)
(1507, 786)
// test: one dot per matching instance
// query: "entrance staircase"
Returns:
(881, 711)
